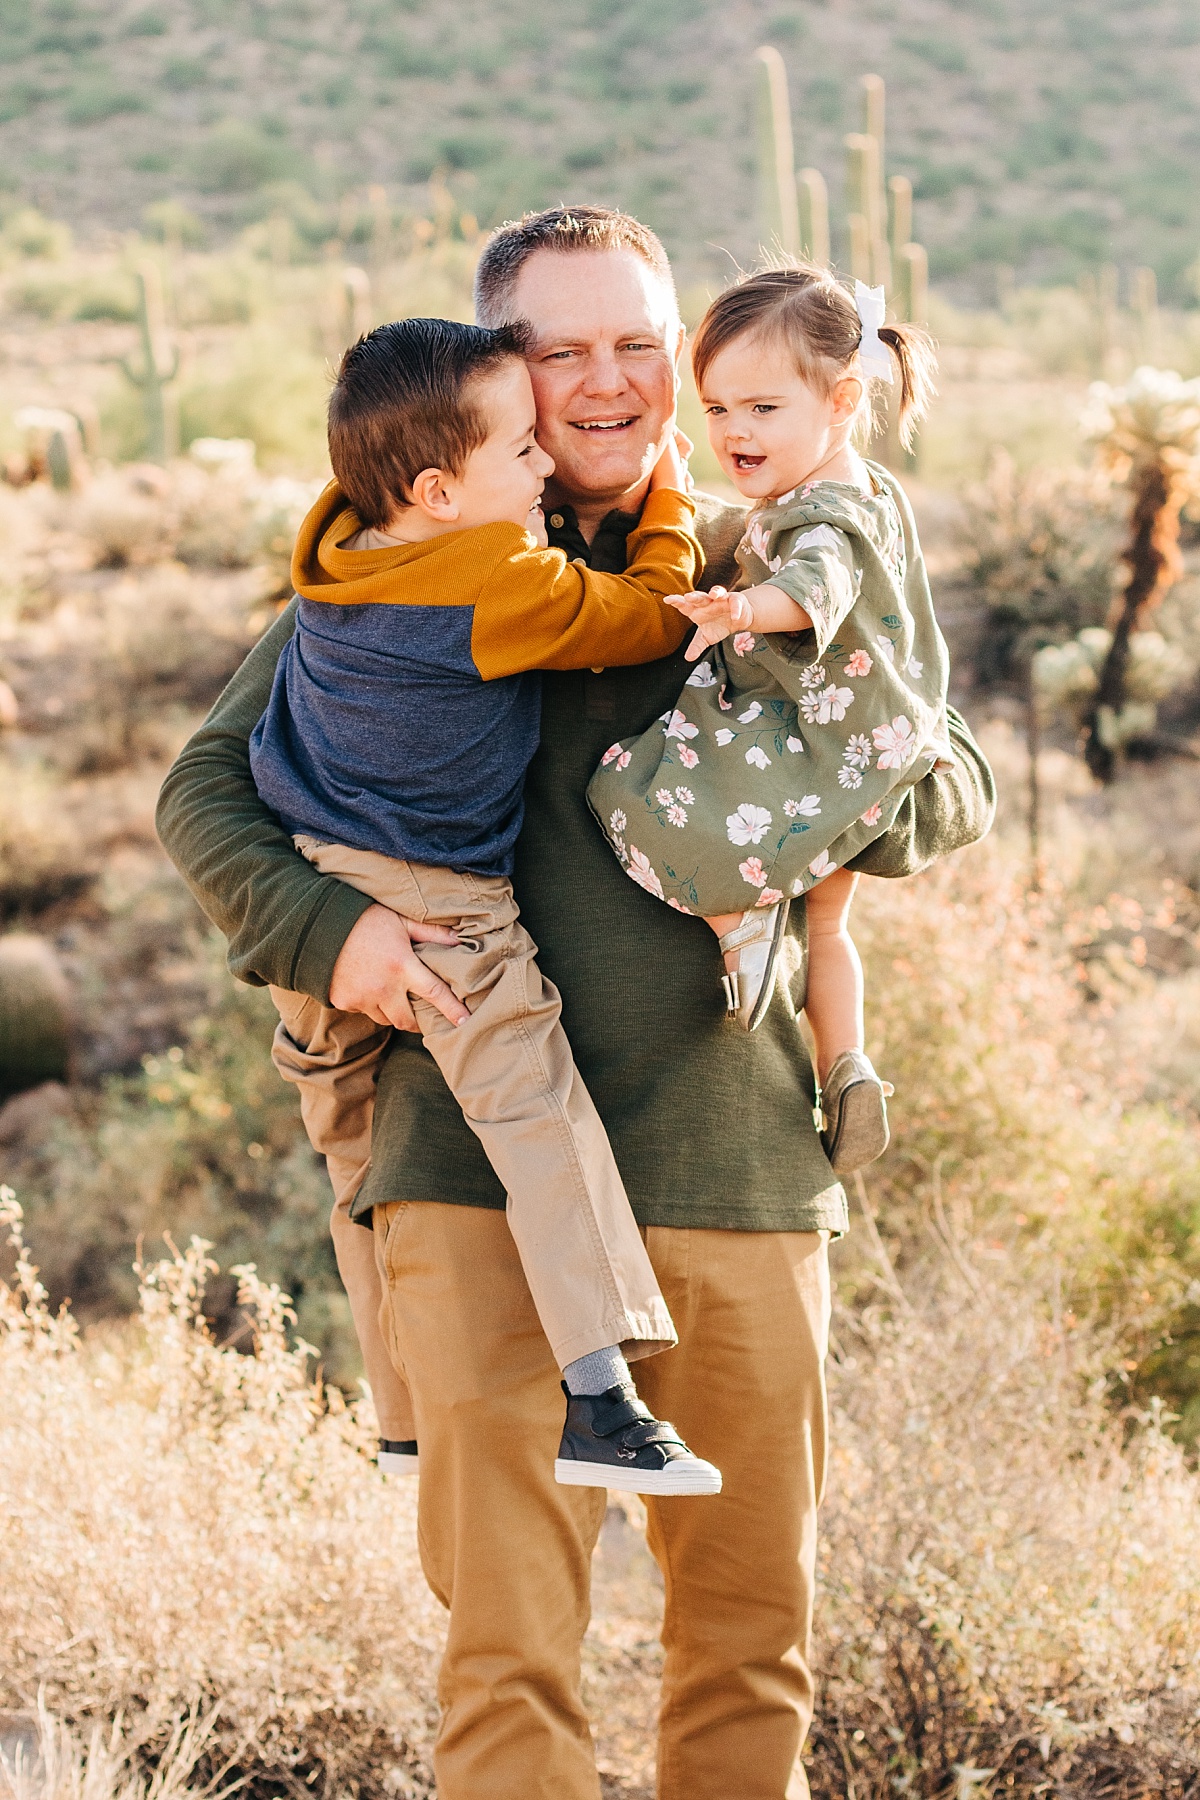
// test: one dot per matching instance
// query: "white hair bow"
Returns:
(871, 304)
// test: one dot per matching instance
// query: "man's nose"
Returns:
(602, 374)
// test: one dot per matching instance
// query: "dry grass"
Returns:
(193, 1533)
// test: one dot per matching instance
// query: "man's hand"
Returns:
(377, 969)
(715, 615)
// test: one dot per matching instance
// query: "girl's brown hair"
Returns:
(808, 311)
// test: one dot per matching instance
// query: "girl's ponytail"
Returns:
(913, 352)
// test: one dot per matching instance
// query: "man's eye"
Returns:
(558, 356)
(637, 346)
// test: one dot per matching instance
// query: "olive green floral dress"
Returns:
(786, 755)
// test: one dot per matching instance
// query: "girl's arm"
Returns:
(718, 614)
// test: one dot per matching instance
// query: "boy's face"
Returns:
(504, 478)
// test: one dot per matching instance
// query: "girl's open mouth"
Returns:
(749, 462)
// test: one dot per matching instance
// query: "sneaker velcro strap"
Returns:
(609, 1416)
(658, 1431)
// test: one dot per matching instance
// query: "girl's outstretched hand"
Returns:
(716, 615)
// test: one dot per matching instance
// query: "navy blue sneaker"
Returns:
(612, 1440)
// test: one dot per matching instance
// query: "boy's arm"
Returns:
(539, 611)
(285, 923)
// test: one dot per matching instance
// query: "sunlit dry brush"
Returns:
(190, 1531)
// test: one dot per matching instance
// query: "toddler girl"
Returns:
(822, 697)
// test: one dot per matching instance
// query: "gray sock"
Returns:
(596, 1372)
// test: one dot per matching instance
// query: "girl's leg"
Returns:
(834, 1001)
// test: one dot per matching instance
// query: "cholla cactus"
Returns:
(1148, 436)
(1067, 677)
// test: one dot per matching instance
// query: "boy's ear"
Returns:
(431, 493)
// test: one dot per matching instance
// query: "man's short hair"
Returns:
(561, 229)
(407, 398)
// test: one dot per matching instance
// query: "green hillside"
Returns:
(1045, 138)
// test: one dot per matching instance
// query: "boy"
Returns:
(403, 716)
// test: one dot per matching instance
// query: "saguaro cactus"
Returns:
(155, 368)
(777, 157)
(814, 214)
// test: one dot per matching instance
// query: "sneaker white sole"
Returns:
(695, 1476)
(390, 1463)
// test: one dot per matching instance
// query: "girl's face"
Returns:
(771, 431)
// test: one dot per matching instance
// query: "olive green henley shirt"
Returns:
(711, 1126)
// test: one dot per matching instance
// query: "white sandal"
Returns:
(749, 987)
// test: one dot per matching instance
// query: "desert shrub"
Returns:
(205, 1138)
(232, 1563)
(1041, 552)
(1020, 1117)
(1006, 1592)
(42, 857)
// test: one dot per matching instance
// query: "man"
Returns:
(712, 1129)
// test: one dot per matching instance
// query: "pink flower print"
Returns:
(686, 795)
(752, 871)
(886, 648)
(860, 664)
(617, 820)
(687, 756)
(795, 745)
(769, 897)
(757, 539)
(849, 776)
(751, 713)
(701, 676)
(625, 758)
(610, 755)
(758, 757)
(858, 751)
(641, 871)
(807, 807)
(914, 668)
(724, 704)
(782, 499)
(822, 866)
(677, 726)
(678, 906)
(748, 825)
(743, 642)
(677, 814)
(830, 703)
(663, 797)
(873, 814)
(813, 676)
(896, 743)
(724, 736)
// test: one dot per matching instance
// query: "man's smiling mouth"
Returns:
(602, 424)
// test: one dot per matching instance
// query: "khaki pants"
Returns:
(509, 1551)
(510, 1068)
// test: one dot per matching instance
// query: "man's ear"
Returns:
(680, 341)
(432, 494)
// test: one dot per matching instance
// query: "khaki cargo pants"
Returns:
(510, 1068)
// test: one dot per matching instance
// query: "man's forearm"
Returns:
(285, 922)
(945, 811)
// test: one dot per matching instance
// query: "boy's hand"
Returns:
(377, 969)
(671, 471)
(716, 615)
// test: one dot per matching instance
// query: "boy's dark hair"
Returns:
(562, 229)
(406, 399)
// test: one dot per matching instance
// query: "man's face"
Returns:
(607, 341)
